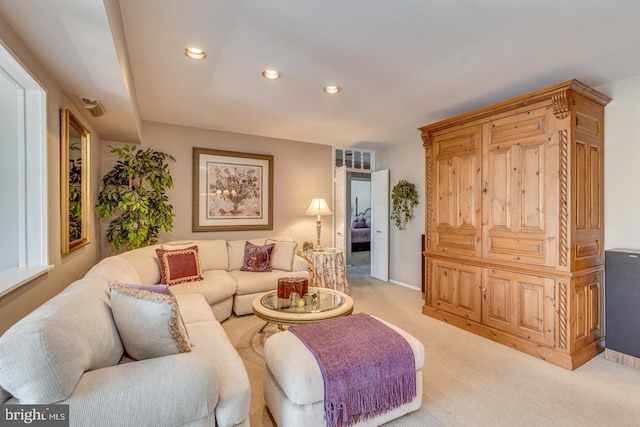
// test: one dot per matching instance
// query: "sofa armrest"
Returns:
(168, 390)
(300, 264)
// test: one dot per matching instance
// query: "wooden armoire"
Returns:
(514, 222)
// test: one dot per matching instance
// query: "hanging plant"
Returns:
(134, 191)
(404, 197)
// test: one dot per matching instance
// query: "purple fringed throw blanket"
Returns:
(368, 368)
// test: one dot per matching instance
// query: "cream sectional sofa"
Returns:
(225, 286)
(69, 351)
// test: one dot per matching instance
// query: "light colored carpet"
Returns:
(469, 380)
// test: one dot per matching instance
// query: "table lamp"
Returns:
(318, 207)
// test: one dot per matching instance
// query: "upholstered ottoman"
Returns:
(294, 387)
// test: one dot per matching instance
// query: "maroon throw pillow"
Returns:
(179, 265)
(257, 258)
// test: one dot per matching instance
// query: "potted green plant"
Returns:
(404, 198)
(134, 192)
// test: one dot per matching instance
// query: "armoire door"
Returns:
(455, 181)
(457, 289)
(521, 304)
(520, 188)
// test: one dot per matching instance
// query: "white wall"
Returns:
(405, 251)
(67, 268)
(622, 165)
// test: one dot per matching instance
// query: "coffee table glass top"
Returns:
(316, 301)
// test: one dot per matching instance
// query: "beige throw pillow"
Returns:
(182, 244)
(148, 320)
(282, 255)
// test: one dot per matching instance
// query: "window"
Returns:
(23, 176)
(354, 159)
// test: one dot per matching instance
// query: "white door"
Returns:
(380, 225)
(340, 208)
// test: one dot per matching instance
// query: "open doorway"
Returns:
(359, 224)
(360, 201)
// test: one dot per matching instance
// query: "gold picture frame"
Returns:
(232, 191)
(74, 183)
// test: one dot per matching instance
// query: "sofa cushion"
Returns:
(251, 283)
(114, 268)
(194, 308)
(43, 356)
(145, 262)
(179, 265)
(213, 254)
(301, 264)
(176, 390)
(217, 286)
(178, 244)
(282, 256)
(148, 320)
(235, 252)
(210, 338)
(257, 258)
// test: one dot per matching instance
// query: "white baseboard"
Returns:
(405, 285)
(624, 359)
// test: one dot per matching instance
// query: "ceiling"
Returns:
(401, 63)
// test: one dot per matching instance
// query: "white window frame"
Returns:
(33, 247)
(351, 164)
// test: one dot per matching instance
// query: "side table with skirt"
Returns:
(328, 269)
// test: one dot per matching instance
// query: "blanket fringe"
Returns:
(364, 403)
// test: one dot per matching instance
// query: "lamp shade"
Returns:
(318, 207)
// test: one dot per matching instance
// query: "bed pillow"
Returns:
(282, 255)
(148, 320)
(179, 265)
(257, 258)
(359, 222)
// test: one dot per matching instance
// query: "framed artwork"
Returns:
(232, 191)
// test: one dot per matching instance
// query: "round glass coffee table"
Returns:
(326, 304)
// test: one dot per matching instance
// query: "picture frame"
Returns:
(232, 191)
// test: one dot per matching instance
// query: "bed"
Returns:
(360, 233)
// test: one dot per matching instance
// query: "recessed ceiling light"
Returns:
(271, 74)
(195, 53)
(332, 89)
